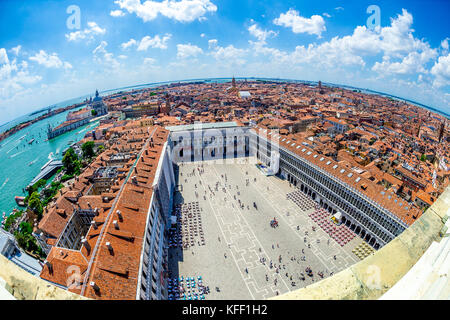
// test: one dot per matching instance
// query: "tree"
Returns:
(88, 149)
(423, 157)
(35, 204)
(25, 228)
(38, 185)
(70, 161)
(93, 112)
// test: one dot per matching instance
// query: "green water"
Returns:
(20, 162)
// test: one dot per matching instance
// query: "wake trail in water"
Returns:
(4, 183)
(16, 154)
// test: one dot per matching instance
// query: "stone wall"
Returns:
(372, 277)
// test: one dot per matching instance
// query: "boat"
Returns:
(31, 141)
(45, 165)
(20, 201)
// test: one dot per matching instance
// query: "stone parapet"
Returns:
(24, 286)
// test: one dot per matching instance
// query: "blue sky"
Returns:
(127, 42)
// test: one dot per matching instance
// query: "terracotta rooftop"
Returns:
(116, 272)
(406, 212)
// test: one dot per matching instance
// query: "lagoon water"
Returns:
(20, 162)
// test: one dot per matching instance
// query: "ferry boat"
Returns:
(31, 141)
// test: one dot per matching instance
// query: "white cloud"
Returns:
(117, 13)
(155, 42)
(148, 42)
(183, 10)
(229, 54)
(188, 50)
(212, 43)
(101, 48)
(102, 56)
(3, 56)
(291, 19)
(149, 61)
(89, 33)
(402, 53)
(128, 44)
(13, 77)
(50, 60)
(444, 43)
(202, 35)
(413, 63)
(326, 15)
(260, 34)
(441, 71)
(16, 50)
(339, 8)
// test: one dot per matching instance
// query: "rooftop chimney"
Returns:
(116, 224)
(109, 246)
(49, 266)
(86, 244)
(119, 214)
(94, 286)
(94, 225)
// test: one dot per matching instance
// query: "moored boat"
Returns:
(20, 201)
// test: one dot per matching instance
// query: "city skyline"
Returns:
(45, 58)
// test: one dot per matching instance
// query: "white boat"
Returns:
(45, 165)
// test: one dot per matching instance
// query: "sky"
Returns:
(52, 51)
